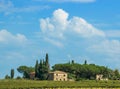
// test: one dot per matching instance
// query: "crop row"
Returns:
(32, 84)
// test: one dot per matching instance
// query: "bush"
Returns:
(18, 77)
(7, 77)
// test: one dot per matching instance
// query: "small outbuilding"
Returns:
(32, 75)
(99, 77)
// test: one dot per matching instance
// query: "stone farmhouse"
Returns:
(55, 76)
(58, 76)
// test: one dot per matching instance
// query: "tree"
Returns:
(42, 71)
(18, 77)
(85, 62)
(12, 73)
(25, 71)
(7, 77)
(78, 71)
(73, 62)
(36, 69)
(47, 62)
(116, 74)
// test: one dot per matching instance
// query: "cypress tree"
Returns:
(36, 69)
(47, 62)
(12, 73)
(44, 63)
(40, 70)
(73, 62)
(43, 68)
(85, 62)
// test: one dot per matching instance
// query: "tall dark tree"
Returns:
(42, 70)
(85, 62)
(47, 62)
(12, 73)
(73, 62)
(36, 69)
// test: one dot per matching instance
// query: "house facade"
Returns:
(99, 77)
(32, 75)
(58, 76)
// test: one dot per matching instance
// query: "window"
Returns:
(56, 74)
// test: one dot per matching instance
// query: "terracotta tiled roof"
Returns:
(32, 73)
(58, 72)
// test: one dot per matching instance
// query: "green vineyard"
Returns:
(33, 84)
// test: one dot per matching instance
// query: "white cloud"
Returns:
(7, 38)
(59, 25)
(30, 8)
(110, 48)
(7, 7)
(79, 1)
(75, 34)
(107, 46)
(83, 28)
(54, 42)
(55, 26)
(112, 33)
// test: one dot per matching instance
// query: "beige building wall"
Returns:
(58, 76)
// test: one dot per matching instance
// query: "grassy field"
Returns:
(32, 84)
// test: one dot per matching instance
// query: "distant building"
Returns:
(58, 76)
(99, 77)
(32, 75)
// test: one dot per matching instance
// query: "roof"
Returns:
(59, 72)
(32, 73)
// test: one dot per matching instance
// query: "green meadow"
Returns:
(35, 84)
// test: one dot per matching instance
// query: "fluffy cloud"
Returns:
(6, 37)
(75, 34)
(83, 28)
(55, 26)
(59, 25)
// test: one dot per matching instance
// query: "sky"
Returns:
(65, 29)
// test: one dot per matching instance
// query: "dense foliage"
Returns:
(86, 71)
(41, 69)
(25, 70)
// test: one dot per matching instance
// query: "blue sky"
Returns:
(65, 29)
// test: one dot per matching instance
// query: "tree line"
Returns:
(78, 71)
(11, 75)
(74, 70)
(41, 69)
